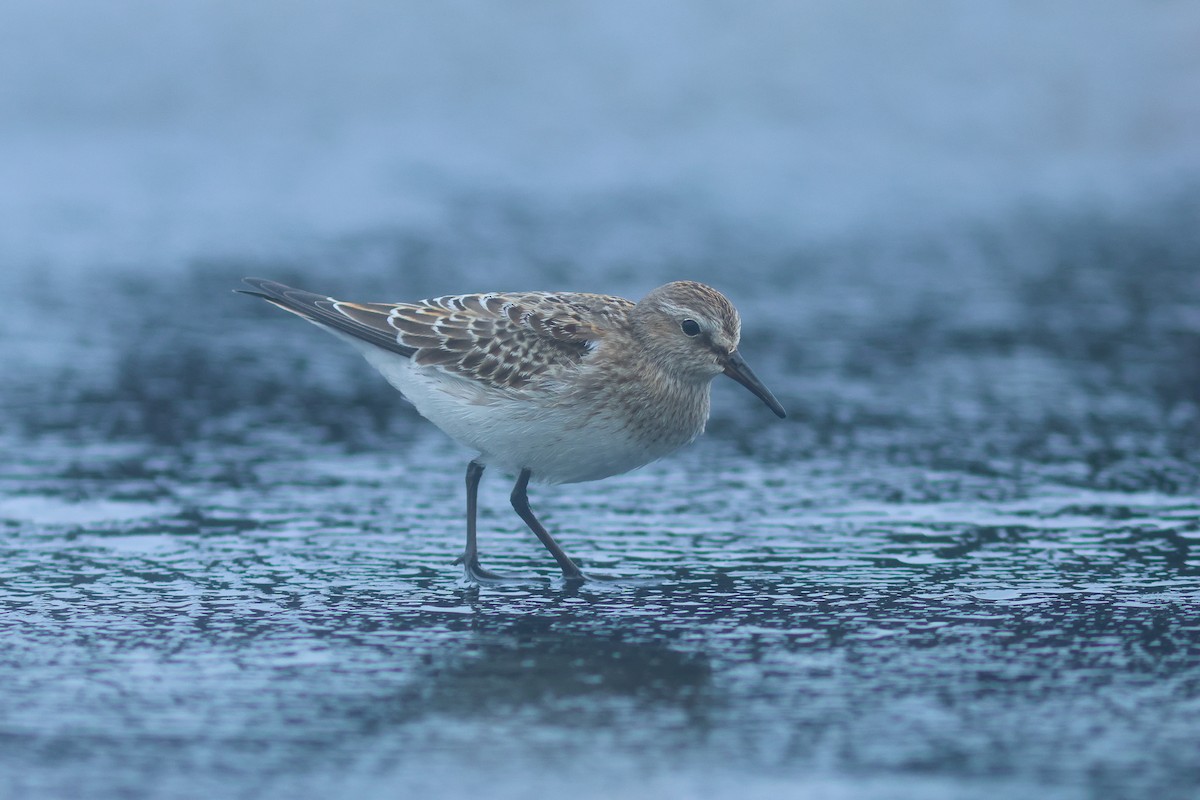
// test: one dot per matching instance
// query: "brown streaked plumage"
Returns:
(561, 387)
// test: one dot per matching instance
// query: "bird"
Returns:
(556, 387)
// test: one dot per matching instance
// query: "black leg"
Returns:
(470, 557)
(520, 502)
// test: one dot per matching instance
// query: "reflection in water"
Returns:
(540, 672)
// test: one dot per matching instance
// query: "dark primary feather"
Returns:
(324, 310)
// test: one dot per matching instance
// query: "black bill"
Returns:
(737, 368)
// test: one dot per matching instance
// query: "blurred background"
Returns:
(830, 153)
(142, 138)
(965, 242)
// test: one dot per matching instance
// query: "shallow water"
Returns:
(965, 566)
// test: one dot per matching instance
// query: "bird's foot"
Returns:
(602, 579)
(475, 573)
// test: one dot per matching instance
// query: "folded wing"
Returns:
(503, 340)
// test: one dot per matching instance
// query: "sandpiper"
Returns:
(558, 387)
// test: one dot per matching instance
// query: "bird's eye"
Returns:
(690, 327)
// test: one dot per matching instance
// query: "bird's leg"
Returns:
(470, 557)
(520, 502)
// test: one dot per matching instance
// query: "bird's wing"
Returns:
(501, 340)
(506, 340)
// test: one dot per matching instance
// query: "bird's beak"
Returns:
(737, 368)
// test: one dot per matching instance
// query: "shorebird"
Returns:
(559, 387)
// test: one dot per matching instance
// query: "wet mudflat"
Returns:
(967, 565)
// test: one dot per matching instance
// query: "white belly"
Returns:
(557, 444)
